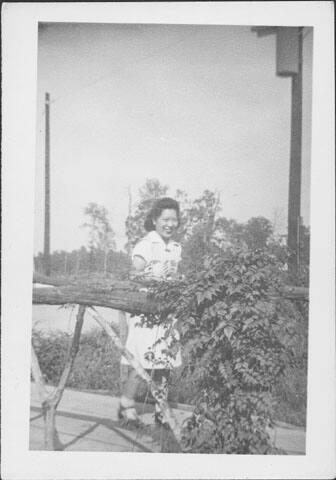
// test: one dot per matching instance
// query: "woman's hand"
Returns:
(134, 275)
(138, 268)
(169, 269)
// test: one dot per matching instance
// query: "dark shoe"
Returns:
(128, 415)
(158, 419)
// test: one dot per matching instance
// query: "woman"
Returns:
(156, 256)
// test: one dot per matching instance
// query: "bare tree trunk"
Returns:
(65, 263)
(46, 252)
(78, 261)
(105, 261)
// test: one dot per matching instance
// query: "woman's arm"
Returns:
(138, 266)
(140, 269)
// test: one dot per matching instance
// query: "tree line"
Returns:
(202, 225)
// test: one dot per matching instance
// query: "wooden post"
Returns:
(47, 266)
(37, 376)
(50, 402)
(294, 194)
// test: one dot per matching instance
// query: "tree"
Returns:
(198, 225)
(258, 231)
(255, 233)
(203, 210)
(101, 234)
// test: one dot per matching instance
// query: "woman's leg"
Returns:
(161, 377)
(131, 386)
(127, 400)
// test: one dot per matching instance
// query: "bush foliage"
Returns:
(96, 365)
(239, 341)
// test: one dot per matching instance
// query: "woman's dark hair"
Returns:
(156, 210)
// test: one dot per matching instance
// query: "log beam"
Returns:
(117, 298)
(121, 295)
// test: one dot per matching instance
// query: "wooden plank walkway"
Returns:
(88, 422)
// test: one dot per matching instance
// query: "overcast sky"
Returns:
(195, 106)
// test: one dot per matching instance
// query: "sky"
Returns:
(197, 107)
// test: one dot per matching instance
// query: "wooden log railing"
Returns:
(119, 295)
(125, 296)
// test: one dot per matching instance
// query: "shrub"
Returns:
(239, 343)
(291, 389)
(96, 365)
(51, 349)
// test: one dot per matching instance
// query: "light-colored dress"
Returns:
(141, 339)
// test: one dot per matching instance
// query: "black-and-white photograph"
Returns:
(168, 240)
(171, 260)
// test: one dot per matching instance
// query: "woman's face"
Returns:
(167, 223)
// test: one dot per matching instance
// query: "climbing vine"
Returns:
(238, 341)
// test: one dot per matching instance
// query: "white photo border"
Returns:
(19, 42)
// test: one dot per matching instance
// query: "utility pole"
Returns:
(129, 200)
(294, 193)
(289, 64)
(46, 259)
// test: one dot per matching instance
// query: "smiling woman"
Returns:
(156, 257)
(164, 217)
